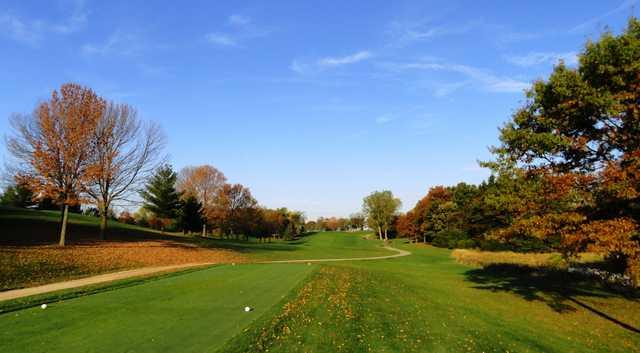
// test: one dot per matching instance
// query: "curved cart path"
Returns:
(400, 253)
(145, 271)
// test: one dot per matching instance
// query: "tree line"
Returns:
(80, 149)
(198, 199)
(566, 175)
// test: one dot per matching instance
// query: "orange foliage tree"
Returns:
(234, 210)
(202, 182)
(54, 146)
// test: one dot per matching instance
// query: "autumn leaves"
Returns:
(78, 147)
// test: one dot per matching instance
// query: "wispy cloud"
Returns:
(240, 29)
(119, 43)
(384, 119)
(239, 20)
(543, 58)
(222, 39)
(626, 5)
(402, 33)
(445, 89)
(32, 31)
(478, 76)
(304, 67)
(345, 60)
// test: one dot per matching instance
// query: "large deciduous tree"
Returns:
(578, 135)
(202, 182)
(125, 152)
(380, 208)
(54, 146)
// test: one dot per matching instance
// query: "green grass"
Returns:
(425, 302)
(428, 303)
(194, 312)
(324, 245)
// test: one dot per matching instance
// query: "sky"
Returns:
(311, 104)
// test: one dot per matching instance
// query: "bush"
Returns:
(453, 238)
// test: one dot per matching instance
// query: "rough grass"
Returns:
(25, 266)
(487, 258)
(29, 254)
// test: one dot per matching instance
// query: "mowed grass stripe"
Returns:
(195, 312)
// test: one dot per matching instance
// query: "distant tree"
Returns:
(357, 221)
(54, 146)
(296, 223)
(126, 217)
(18, 195)
(203, 182)
(190, 217)
(408, 227)
(233, 210)
(125, 152)
(160, 195)
(380, 207)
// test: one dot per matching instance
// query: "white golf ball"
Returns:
(247, 309)
(43, 306)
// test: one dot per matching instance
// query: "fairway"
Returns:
(194, 312)
(424, 302)
(325, 245)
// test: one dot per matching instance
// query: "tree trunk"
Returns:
(63, 229)
(380, 232)
(103, 224)
(386, 237)
(204, 230)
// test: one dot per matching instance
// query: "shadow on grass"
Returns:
(554, 287)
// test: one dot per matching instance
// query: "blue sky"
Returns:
(311, 104)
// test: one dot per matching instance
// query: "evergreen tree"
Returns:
(190, 217)
(160, 195)
(17, 196)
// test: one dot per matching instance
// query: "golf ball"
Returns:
(43, 306)
(247, 309)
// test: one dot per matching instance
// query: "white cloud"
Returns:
(298, 67)
(20, 29)
(239, 20)
(402, 33)
(384, 119)
(301, 67)
(627, 5)
(542, 58)
(479, 76)
(442, 90)
(119, 43)
(345, 60)
(240, 29)
(32, 31)
(222, 39)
